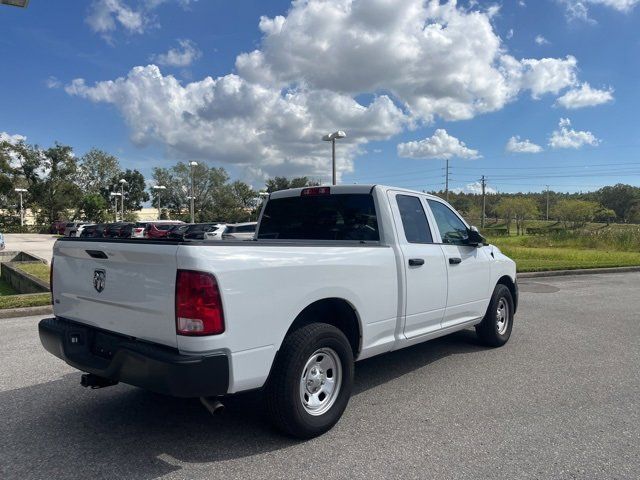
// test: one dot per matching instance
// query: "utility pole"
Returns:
(547, 203)
(484, 184)
(446, 182)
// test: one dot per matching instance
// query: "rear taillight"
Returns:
(51, 280)
(198, 304)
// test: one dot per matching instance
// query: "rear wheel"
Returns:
(495, 328)
(311, 381)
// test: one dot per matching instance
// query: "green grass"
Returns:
(21, 301)
(573, 250)
(39, 270)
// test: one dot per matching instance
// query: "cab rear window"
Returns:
(320, 217)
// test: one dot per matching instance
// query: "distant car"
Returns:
(232, 231)
(119, 230)
(197, 231)
(160, 229)
(94, 231)
(216, 233)
(82, 227)
(177, 232)
(57, 227)
(140, 227)
(71, 229)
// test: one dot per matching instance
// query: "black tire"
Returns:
(489, 330)
(283, 398)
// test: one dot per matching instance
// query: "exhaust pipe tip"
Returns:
(214, 406)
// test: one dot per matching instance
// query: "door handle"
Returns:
(416, 262)
(455, 260)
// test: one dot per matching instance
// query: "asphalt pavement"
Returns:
(37, 244)
(560, 400)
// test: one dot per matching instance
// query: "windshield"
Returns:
(321, 217)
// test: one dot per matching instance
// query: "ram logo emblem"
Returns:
(99, 279)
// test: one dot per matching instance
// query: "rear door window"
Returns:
(414, 220)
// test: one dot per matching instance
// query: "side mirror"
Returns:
(475, 239)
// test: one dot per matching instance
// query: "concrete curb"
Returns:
(582, 271)
(25, 312)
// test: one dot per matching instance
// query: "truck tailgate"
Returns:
(123, 287)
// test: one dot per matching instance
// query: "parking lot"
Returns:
(40, 245)
(560, 400)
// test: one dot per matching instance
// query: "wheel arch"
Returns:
(508, 282)
(337, 312)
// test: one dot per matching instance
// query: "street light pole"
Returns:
(20, 192)
(332, 137)
(192, 199)
(123, 182)
(115, 196)
(159, 188)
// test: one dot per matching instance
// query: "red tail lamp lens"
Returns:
(198, 304)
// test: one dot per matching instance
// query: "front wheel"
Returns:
(311, 381)
(495, 328)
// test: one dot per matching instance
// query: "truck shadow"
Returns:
(123, 431)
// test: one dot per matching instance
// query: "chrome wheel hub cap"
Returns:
(320, 381)
(502, 316)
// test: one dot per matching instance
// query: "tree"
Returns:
(283, 183)
(97, 169)
(93, 208)
(135, 193)
(575, 213)
(606, 215)
(215, 198)
(518, 208)
(620, 198)
(56, 191)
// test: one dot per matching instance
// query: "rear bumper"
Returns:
(124, 359)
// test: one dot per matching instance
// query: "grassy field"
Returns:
(21, 301)
(9, 297)
(614, 246)
(39, 270)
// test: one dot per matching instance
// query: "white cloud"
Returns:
(182, 56)
(548, 75)
(106, 15)
(440, 146)
(510, 34)
(52, 82)
(585, 96)
(579, 9)
(12, 139)
(566, 137)
(231, 120)
(475, 188)
(436, 59)
(540, 40)
(414, 60)
(515, 145)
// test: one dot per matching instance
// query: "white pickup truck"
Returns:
(334, 274)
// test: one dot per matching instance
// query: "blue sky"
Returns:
(460, 83)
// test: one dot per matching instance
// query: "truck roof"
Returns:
(355, 188)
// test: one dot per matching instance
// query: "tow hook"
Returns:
(213, 405)
(92, 381)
